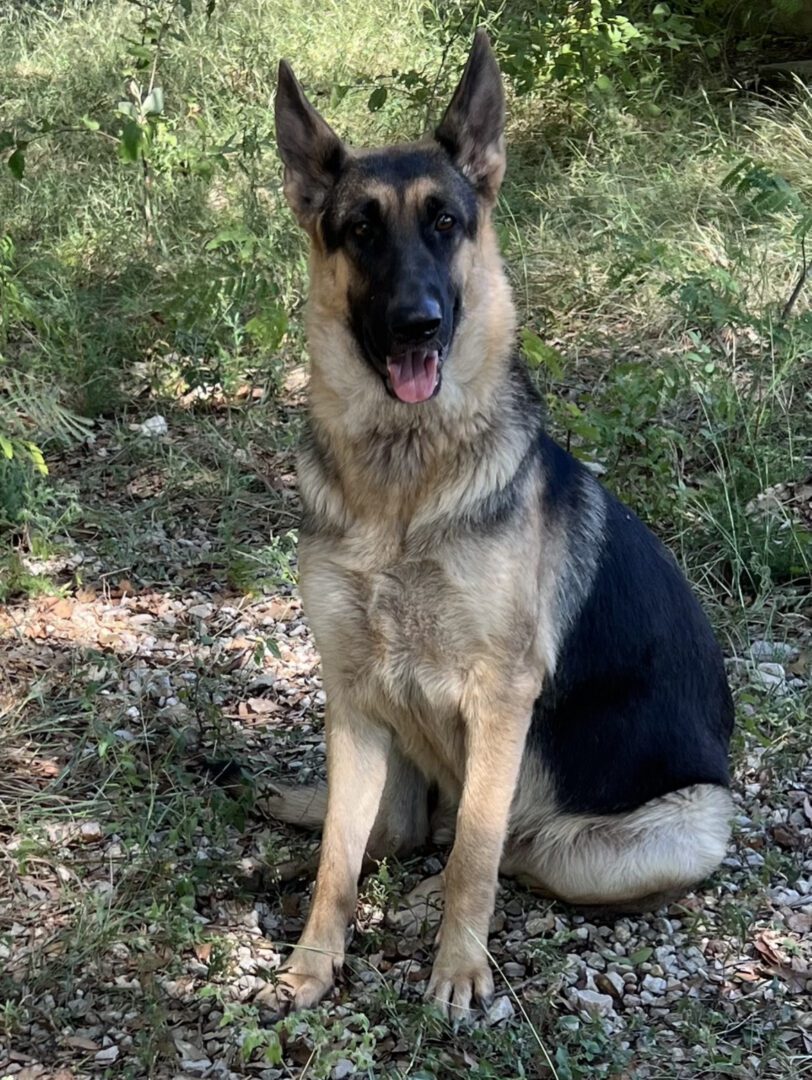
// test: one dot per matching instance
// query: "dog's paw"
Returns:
(290, 992)
(455, 988)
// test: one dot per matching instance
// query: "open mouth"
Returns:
(414, 374)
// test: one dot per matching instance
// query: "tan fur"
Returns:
(435, 639)
(418, 638)
(417, 192)
(418, 635)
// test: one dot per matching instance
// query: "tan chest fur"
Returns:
(403, 631)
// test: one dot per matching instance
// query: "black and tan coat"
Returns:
(500, 638)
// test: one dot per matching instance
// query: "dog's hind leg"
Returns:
(631, 861)
(402, 823)
(305, 806)
(422, 908)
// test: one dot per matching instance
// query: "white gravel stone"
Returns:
(773, 650)
(198, 1067)
(153, 427)
(654, 985)
(773, 669)
(501, 1010)
(537, 925)
(592, 1002)
(612, 983)
(776, 683)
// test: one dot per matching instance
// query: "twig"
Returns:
(433, 93)
(799, 284)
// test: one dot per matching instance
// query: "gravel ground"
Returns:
(140, 912)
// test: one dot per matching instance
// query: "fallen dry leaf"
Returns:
(767, 945)
(203, 951)
(745, 972)
(786, 836)
(78, 1042)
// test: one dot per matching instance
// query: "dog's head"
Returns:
(395, 231)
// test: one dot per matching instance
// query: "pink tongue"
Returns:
(413, 375)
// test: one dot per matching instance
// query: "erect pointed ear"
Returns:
(312, 153)
(472, 130)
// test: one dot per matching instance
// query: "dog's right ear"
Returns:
(312, 153)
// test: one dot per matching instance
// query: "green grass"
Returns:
(650, 295)
(657, 288)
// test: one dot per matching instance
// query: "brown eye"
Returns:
(444, 222)
(361, 230)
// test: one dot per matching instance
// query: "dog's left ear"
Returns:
(472, 130)
(312, 153)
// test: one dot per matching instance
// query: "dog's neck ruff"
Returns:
(404, 467)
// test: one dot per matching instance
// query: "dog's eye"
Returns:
(444, 222)
(362, 230)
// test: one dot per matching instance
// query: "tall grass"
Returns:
(657, 288)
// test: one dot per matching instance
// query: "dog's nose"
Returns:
(415, 322)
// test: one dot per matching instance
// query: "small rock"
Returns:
(775, 683)
(537, 925)
(343, 1067)
(501, 1010)
(188, 1051)
(246, 960)
(592, 1002)
(513, 970)
(772, 650)
(154, 427)
(781, 895)
(90, 832)
(611, 982)
(198, 1067)
(654, 985)
(107, 1056)
(773, 669)
(497, 923)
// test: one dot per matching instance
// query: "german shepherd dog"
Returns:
(509, 656)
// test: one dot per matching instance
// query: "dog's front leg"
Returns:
(495, 738)
(357, 751)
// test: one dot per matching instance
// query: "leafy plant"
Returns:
(31, 410)
(593, 45)
(771, 194)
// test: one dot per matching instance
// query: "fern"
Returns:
(769, 193)
(30, 413)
